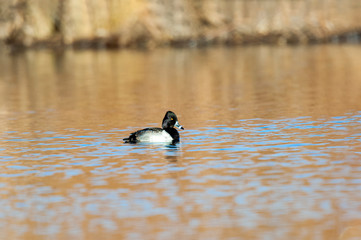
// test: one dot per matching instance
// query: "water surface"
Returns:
(271, 146)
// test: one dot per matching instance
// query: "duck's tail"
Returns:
(131, 139)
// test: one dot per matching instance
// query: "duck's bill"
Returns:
(178, 125)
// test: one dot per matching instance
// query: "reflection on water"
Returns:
(271, 148)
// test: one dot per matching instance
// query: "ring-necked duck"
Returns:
(165, 134)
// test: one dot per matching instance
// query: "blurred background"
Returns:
(118, 23)
(269, 93)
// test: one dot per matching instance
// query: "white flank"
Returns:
(162, 136)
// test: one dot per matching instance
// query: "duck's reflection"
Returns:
(172, 159)
(172, 152)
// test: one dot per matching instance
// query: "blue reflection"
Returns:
(277, 166)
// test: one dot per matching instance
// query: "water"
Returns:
(271, 146)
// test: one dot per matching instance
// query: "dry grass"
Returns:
(124, 23)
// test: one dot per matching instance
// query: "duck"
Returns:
(166, 134)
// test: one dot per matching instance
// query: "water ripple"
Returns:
(302, 167)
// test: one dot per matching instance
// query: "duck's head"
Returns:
(170, 120)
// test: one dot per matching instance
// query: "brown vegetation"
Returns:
(122, 23)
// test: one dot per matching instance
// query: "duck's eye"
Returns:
(171, 119)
